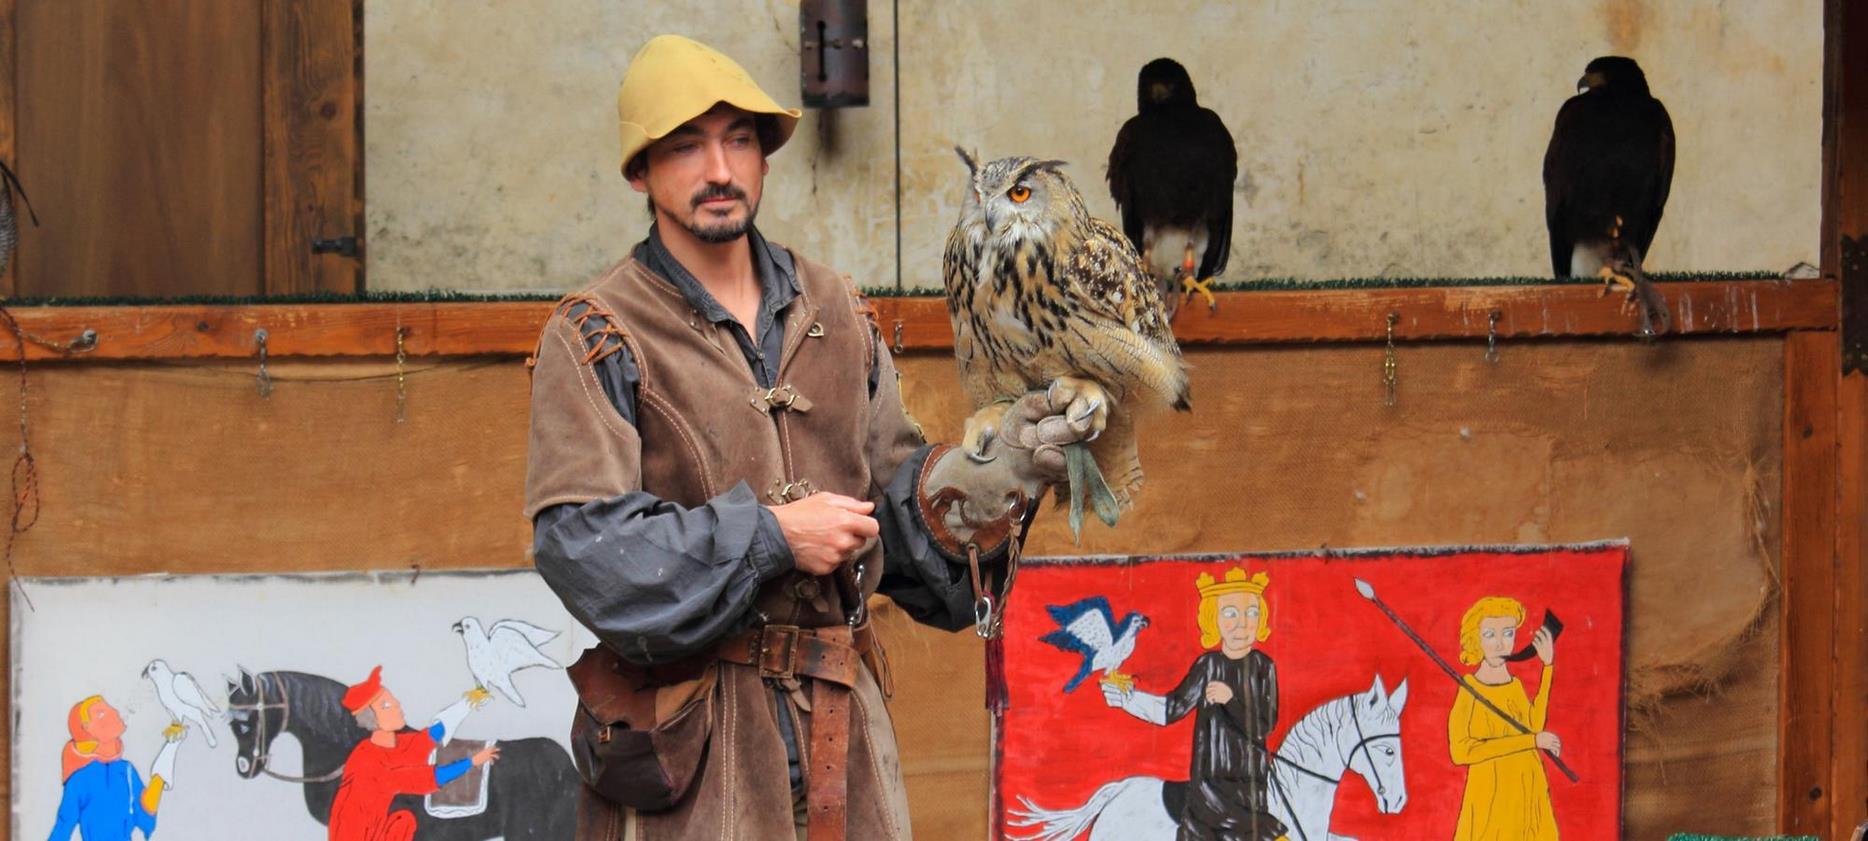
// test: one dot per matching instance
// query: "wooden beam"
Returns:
(313, 94)
(1845, 258)
(1808, 585)
(511, 328)
(1849, 778)
(9, 118)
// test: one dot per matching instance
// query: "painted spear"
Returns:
(1368, 592)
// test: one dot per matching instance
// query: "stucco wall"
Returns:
(1375, 138)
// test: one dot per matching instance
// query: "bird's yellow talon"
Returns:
(1612, 280)
(1120, 681)
(174, 731)
(1203, 288)
(478, 696)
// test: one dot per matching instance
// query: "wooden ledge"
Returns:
(920, 323)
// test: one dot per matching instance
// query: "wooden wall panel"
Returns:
(1809, 583)
(140, 133)
(184, 468)
(1845, 258)
(9, 119)
(314, 143)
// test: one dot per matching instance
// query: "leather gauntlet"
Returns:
(981, 493)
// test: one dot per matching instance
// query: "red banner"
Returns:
(1336, 721)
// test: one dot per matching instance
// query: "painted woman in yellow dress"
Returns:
(1507, 796)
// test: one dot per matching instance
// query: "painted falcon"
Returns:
(1606, 178)
(1089, 628)
(1171, 172)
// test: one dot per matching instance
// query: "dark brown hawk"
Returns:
(1171, 172)
(1606, 177)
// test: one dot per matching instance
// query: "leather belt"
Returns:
(831, 656)
(830, 653)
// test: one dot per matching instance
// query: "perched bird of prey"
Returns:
(493, 655)
(1089, 628)
(1606, 177)
(9, 223)
(1042, 295)
(182, 697)
(1171, 174)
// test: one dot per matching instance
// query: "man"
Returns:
(392, 762)
(721, 470)
(1233, 694)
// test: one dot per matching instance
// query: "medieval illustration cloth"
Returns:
(1230, 776)
(1507, 795)
(374, 775)
(1338, 721)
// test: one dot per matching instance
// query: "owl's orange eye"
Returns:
(1019, 194)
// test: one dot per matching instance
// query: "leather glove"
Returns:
(1146, 706)
(162, 769)
(980, 492)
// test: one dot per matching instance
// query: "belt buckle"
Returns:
(778, 651)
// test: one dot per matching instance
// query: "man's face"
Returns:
(1238, 622)
(388, 711)
(105, 724)
(707, 175)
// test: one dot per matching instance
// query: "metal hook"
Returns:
(265, 379)
(896, 347)
(1391, 378)
(1491, 337)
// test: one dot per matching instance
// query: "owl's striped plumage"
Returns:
(1039, 290)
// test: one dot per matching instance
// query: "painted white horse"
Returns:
(1360, 732)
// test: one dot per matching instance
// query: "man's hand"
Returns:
(486, 755)
(1546, 646)
(1548, 741)
(1218, 693)
(826, 529)
(1114, 695)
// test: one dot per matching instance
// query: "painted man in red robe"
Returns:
(394, 761)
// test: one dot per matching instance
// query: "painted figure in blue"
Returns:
(105, 798)
(1089, 628)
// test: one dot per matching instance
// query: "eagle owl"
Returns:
(1042, 295)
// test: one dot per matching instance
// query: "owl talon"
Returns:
(173, 732)
(981, 429)
(1084, 404)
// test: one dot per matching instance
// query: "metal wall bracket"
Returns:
(1854, 304)
(834, 45)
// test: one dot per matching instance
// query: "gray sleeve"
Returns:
(657, 581)
(931, 586)
(654, 580)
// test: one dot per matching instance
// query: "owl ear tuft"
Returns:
(971, 161)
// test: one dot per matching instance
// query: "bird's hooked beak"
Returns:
(1589, 82)
(145, 671)
(460, 628)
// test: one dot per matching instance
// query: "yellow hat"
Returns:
(673, 79)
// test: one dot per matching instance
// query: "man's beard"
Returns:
(720, 232)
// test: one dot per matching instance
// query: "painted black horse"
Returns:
(531, 795)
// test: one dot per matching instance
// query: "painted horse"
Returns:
(1360, 732)
(531, 794)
